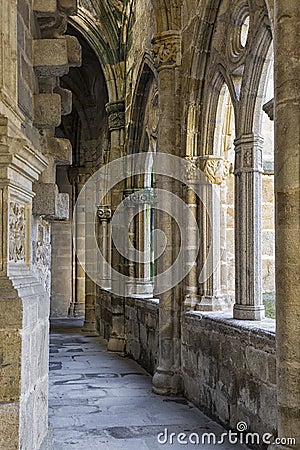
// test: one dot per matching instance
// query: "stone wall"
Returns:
(103, 314)
(29, 112)
(61, 269)
(228, 366)
(229, 369)
(27, 83)
(141, 328)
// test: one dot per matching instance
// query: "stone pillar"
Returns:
(24, 302)
(116, 122)
(139, 200)
(191, 283)
(104, 215)
(216, 170)
(167, 54)
(89, 325)
(131, 264)
(287, 192)
(248, 228)
(78, 178)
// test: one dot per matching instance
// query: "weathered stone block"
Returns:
(49, 202)
(10, 364)
(272, 375)
(66, 100)
(50, 57)
(74, 51)
(60, 150)
(268, 189)
(257, 363)
(47, 110)
(68, 6)
(9, 419)
(44, 7)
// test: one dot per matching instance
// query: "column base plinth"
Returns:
(166, 382)
(244, 312)
(90, 328)
(140, 289)
(214, 303)
(191, 302)
(116, 345)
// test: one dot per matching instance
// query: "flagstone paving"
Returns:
(99, 400)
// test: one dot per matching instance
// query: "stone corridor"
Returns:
(99, 400)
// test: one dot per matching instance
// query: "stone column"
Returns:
(216, 170)
(78, 178)
(140, 201)
(287, 192)
(116, 122)
(167, 53)
(248, 228)
(131, 264)
(191, 283)
(104, 215)
(89, 325)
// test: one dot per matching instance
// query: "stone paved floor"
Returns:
(99, 400)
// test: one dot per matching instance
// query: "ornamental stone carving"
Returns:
(167, 50)
(248, 158)
(17, 232)
(104, 212)
(215, 168)
(116, 115)
(191, 172)
(248, 149)
(135, 197)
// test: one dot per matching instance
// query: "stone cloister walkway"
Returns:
(99, 400)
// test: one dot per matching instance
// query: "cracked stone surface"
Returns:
(99, 400)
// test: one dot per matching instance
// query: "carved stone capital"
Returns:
(138, 196)
(248, 149)
(215, 168)
(142, 197)
(116, 115)
(104, 212)
(167, 50)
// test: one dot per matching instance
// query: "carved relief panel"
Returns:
(17, 232)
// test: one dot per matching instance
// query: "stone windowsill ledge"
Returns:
(264, 328)
(150, 303)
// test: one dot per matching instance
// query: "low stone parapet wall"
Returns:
(141, 327)
(229, 369)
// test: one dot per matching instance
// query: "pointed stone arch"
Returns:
(146, 77)
(103, 37)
